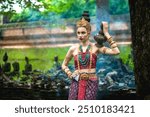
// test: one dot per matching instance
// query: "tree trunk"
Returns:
(140, 27)
(102, 12)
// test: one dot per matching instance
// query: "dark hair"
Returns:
(86, 16)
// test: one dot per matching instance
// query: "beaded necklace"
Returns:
(88, 57)
(84, 62)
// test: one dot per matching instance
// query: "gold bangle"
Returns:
(113, 42)
(110, 39)
(66, 70)
(69, 74)
(114, 45)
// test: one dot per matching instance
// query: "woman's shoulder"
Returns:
(94, 45)
(74, 47)
(95, 48)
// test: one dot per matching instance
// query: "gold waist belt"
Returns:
(87, 76)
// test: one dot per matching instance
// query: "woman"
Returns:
(84, 83)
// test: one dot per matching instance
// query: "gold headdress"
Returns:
(84, 23)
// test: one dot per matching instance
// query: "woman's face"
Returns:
(82, 34)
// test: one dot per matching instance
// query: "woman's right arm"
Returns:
(65, 63)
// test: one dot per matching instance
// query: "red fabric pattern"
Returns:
(82, 89)
(94, 59)
(83, 83)
(90, 93)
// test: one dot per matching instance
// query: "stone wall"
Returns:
(45, 36)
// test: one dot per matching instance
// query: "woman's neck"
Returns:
(85, 43)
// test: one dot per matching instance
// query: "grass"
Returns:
(40, 58)
(43, 58)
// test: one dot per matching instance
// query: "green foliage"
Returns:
(57, 6)
(26, 15)
(33, 15)
(78, 7)
(7, 6)
(118, 7)
(68, 8)
(54, 9)
(126, 55)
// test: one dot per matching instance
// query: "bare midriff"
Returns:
(89, 71)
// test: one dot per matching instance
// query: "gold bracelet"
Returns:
(109, 39)
(66, 70)
(69, 74)
(114, 45)
(113, 42)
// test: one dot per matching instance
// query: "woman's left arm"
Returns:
(114, 48)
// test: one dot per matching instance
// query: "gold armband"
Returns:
(67, 71)
(109, 39)
(113, 45)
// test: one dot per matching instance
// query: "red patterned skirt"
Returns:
(83, 89)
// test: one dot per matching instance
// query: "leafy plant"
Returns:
(126, 55)
(51, 9)
(118, 6)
